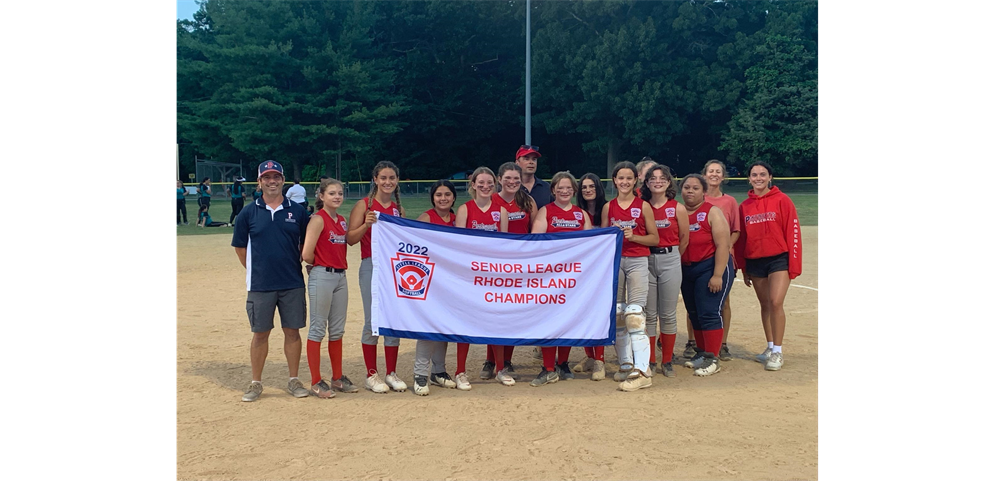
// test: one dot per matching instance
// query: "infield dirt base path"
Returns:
(742, 423)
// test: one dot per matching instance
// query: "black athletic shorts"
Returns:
(764, 266)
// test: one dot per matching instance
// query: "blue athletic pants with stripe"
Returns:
(705, 307)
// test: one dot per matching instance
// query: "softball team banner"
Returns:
(462, 285)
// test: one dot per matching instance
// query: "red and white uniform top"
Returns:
(365, 242)
(489, 220)
(519, 221)
(666, 224)
(631, 217)
(768, 227)
(564, 220)
(700, 243)
(435, 218)
(331, 247)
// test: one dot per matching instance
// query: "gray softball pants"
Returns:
(329, 296)
(366, 290)
(434, 351)
(664, 289)
(632, 345)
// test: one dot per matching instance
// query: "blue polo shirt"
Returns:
(540, 193)
(273, 240)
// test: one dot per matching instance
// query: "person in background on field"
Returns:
(521, 210)
(483, 213)
(707, 274)
(268, 238)
(527, 158)
(715, 174)
(442, 195)
(664, 263)
(361, 219)
(328, 291)
(204, 193)
(591, 198)
(237, 198)
(297, 193)
(204, 219)
(258, 193)
(561, 216)
(770, 250)
(635, 217)
(181, 202)
(641, 167)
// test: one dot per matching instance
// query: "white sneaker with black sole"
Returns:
(709, 366)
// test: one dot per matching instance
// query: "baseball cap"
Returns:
(270, 166)
(528, 149)
(240, 179)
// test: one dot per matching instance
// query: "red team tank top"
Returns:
(364, 243)
(700, 243)
(435, 218)
(518, 220)
(560, 220)
(331, 248)
(489, 220)
(631, 217)
(666, 224)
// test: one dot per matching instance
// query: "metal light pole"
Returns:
(528, 72)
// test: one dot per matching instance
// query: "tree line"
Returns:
(438, 86)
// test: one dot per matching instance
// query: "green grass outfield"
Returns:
(807, 204)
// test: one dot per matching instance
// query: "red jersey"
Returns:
(560, 220)
(769, 226)
(489, 219)
(519, 221)
(435, 218)
(631, 217)
(331, 246)
(391, 209)
(700, 243)
(666, 224)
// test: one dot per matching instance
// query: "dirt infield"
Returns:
(743, 423)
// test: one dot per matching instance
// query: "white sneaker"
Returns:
(636, 383)
(462, 382)
(762, 357)
(708, 367)
(587, 365)
(504, 378)
(396, 383)
(774, 362)
(375, 384)
(421, 386)
(599, 371)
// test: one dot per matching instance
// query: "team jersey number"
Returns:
(411, 249)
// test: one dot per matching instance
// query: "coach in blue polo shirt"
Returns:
(268, 237)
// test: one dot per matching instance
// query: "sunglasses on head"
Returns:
(530, 147)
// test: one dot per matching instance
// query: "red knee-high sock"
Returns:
(599, 353)
(699, 339)
(563, 354)
(589, 352)
(314, 360)
(508, 351)
(462, 349)
(549, 358)
(652, 349)
(370, 356)
(498, 356)
(668, 347)
(335, 354)
(713, 341)
(390, 354)
(490, 354)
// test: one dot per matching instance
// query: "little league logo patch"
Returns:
(702, 216)
(343, 224)
(412, 275)
(635, 211)
(496, 216)
(396, 213)
(579, 215)
(670, 211)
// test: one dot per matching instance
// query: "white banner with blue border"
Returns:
(451, 284)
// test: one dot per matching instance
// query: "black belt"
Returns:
(661, 250)
(332, 269)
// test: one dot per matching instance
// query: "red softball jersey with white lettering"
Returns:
(768, 227)
(489, 220)
(435, 218)
(519, 221)
(331, 247)
(564, 220)
(631, 217)
(666, 224)
(700, 243)
(365, 242)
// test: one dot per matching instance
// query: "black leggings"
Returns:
(236, 206)
(181, 208)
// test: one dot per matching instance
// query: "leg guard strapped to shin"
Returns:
(635, 324)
